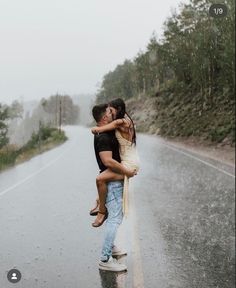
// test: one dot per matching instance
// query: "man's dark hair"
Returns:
(99, 111)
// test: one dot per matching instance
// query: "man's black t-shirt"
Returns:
(106, 142)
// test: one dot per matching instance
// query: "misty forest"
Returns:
(182, 85)
(22, 134)
(185, 80)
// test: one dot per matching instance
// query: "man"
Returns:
(106, 149)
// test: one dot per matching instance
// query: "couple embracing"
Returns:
(116, 155)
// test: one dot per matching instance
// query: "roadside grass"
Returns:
(45, 139)
(174, 114)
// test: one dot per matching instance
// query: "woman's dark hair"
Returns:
(119, 105)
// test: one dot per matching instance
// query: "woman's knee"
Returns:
(99, 180)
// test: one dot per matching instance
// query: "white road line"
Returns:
(202, 161)
(33, 174)
(138, 279)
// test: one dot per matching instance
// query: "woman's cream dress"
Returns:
(129, 158)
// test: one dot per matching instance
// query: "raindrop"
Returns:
(194, 257)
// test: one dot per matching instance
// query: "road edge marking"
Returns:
(198, 159)
(138, 278)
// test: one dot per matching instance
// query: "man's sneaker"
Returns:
(118, 252)
(112, 265)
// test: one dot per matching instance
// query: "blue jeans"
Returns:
(115, 216)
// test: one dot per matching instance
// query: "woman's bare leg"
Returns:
(101, 181)
(94, 210)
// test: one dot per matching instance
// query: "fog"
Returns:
(85, 102)
(20, 129)
(66, 47)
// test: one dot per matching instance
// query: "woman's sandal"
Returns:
(94, 211)
(96, 223)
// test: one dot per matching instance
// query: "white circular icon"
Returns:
(14, 276)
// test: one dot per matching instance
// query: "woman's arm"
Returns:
(108, 127)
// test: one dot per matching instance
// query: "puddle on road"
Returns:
(110, 279)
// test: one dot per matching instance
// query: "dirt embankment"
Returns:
(144, 112)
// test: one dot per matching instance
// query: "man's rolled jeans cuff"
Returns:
(104, 259)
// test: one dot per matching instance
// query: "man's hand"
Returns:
(130, 172)
(106, 157)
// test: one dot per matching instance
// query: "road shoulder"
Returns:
(218, 152)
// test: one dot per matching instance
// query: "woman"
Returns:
(126, 136)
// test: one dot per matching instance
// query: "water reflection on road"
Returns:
(179, 232)
(112, 279)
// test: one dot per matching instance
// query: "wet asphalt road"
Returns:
(179, 232)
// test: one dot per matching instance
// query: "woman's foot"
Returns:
(94, 211)
(101, 217)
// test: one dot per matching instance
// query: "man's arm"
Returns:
(109, 162)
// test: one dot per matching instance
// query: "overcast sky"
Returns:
(67, 46)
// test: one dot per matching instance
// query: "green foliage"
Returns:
(58, 136)
(8, 113)
(194, 59)
(3, 126)
(184, 115)
(8, 156)
(119, 83)
(45, 135)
